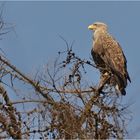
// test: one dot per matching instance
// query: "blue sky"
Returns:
(37, 25)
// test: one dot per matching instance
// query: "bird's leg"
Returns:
(103, 80)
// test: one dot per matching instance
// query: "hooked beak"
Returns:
(92, 27)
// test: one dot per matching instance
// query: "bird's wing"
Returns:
(112, 55)
(125, 64)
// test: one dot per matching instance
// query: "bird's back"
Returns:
(108, 54)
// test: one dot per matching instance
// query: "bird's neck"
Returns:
(98, 33)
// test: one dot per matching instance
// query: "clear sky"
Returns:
(37, 25)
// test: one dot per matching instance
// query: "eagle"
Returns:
(109, 58)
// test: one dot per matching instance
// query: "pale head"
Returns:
(97, 26)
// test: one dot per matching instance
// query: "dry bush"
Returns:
(58, 102)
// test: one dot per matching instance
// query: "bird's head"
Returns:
(97, 26)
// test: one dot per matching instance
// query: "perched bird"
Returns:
(109, 58)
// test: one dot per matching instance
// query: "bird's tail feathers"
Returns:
(122, 90)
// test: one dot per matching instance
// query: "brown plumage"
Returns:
(109, 57)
